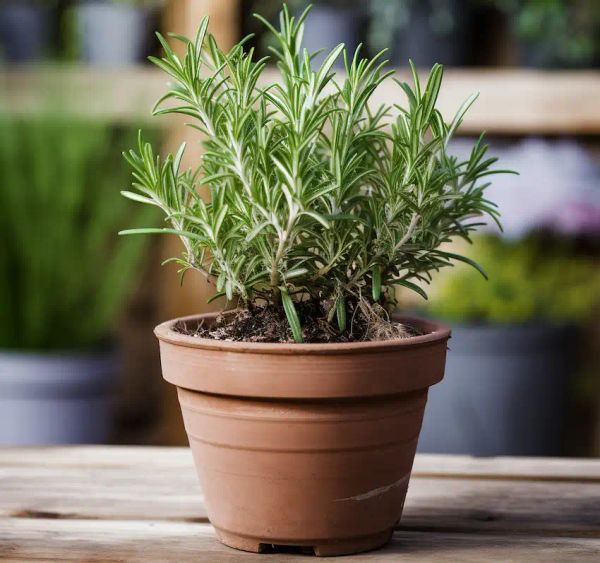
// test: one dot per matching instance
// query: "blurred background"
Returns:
(78, 360)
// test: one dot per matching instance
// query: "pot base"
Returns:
(320, 548)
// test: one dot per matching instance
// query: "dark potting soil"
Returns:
(269, 324)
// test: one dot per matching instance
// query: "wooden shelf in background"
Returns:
(125, 94)
(518, 102)
(511, 102)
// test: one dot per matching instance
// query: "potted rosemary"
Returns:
(64, 275)
(310, 393)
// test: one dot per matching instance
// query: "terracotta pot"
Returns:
(306, 445)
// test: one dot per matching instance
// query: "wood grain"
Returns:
(432, 503)
(519, 102)
(520, 468)
(84, 540)
(425, 464)
(121, 503)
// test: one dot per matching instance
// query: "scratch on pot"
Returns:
(378, 491)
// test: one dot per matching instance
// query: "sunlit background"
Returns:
(78, 360)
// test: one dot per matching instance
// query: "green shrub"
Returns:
(559, 32)
(63, 272)
(314, 194)
(530, 280)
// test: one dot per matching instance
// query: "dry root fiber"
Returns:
(367, 321)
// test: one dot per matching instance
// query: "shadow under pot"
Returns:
(55, 398)
(114, 34)
(505, 392)
(25, 31)
(305, 445)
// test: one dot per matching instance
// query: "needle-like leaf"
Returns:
(291, 314)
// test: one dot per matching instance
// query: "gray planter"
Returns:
(55, 399)
(113, 34)
(504, 392)
(421, 42)
(327, 27)
(24, 31)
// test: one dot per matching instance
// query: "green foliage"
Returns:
(530, 280)
(311, 189)
(63, 272)
(388, 17)
(563, 32)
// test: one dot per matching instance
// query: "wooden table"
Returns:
(144, 504)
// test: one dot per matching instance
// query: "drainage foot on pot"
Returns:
(357, 545)
(321, 549)
(239, 542)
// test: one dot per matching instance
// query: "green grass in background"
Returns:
(533, 279)
(64, 272)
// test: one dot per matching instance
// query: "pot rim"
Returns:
(434, 332)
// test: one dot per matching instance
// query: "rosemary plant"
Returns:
(315, 195)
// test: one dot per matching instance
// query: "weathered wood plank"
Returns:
(517, 101)
(511, 101)
(115, 504)
(432, 504)
(137, 484)
(97, 457)
(84, 540)
(569, 469)
(123, 95)
(519, 468)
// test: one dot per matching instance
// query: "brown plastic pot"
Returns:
(304, 444)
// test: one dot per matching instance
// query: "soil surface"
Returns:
(269, 324)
